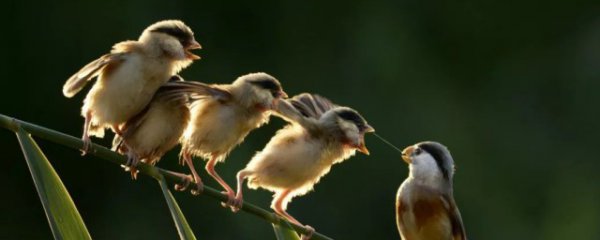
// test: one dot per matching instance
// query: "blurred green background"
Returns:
(511, 87)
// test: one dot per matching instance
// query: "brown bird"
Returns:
(221, 122)
(425, 207)
(320, 134)
(157, 129)
(129, 76)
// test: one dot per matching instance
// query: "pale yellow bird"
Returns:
(129, 76)
(157, 129)
(223, 119)
(320, 134)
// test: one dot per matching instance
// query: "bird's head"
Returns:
(260, 90)
(429, 160)
(172, 37)
(349, 126)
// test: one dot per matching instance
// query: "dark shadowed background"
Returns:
(511, 89)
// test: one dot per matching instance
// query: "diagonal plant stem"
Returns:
(13, 124)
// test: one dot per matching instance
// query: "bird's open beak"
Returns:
(193, 45)
(361, 147)
(406, 153)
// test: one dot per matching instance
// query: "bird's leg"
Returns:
(182, 158)
(210, 168)
(131, 164)
(86, 138)
(199, 185)
(185, 182)
(117, 130)
(279, 203)
(184, 153)
(239, 199)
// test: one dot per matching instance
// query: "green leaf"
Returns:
(63, 217)
(285, 232)
(183, 228)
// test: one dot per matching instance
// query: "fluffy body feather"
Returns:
(121, 93)
(216, 127)
(295, 160)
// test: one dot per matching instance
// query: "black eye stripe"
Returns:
(183, 35)
(438, 156)
(267, 84)
(353, 117)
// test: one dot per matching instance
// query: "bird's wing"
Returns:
(76, 82)
(458, 229)
(165, 93)
(304, 109)
(196, 90)
(129, 128)
(311, 105)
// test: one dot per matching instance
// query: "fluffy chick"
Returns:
(320, 134)
(129, 76)
(221, 122)
(154, 131)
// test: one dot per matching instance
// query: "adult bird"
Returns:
(425, 206)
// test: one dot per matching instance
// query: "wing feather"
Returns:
(458, 229)
(304, 109)
(311, 105)
(76, 82)
(196, 90)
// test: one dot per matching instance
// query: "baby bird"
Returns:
(320, 134)
(155, 130)
(425, 207)
(129, 76)
(221, 122)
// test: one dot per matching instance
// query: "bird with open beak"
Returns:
(129, 75)
(425, 207)
(320, 134)
(221, 117)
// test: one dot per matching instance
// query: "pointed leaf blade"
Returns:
(63, 217)
(285, 233)
(183, 228)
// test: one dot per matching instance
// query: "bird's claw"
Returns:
(131, 166)
(183, 186)
(233, 202)
(197, 189)
(310, 230)
(85, 149)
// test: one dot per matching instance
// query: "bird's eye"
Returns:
(418, 151)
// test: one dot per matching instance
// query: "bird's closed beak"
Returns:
(282, 94)
(369, 129)
(278, 97)
(194, 45)
(406, 153)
